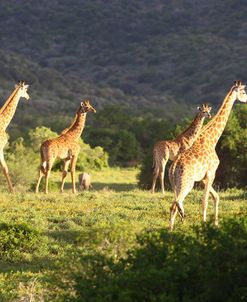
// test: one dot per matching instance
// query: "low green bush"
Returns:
(208, 264)
(18, 242)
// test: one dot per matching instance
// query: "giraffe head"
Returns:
(239, 90)
(204, 110)
(86, 107)
(23, 89)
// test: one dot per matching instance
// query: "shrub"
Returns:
(22, 163)
(207, 265)
(18, 242)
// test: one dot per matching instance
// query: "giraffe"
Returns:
(200, 162)
(169, 150)
(65, 147)
(6, 114)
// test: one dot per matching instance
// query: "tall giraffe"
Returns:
(65, 147)
(169, 150)
(200, 162)
(6, 114)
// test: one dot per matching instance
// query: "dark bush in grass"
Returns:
(18, 241)
(206, 265)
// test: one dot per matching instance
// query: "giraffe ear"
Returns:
(82, 104)
(26, 86)
(199, 108)
(16, 85)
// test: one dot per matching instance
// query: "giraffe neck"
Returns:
(192, 132)
(70, 126)
(8, 110)
(75, 130)
(213, 131)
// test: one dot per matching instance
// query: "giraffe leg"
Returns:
(65, 171)
(162, 174)
(47, 174)
(155, 174)
(208, 180)
(6, 173)
(73, 164)
(181, 191)
(173, 213)
(176, 207)
(41, 174)
(216, 200)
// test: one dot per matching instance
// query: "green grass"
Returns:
(104, 221)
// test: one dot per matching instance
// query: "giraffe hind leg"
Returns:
(64, 174)
(162, 175)
(155, 176)
(177, 207)
(48, 172)
(42, 172)
(6, 173)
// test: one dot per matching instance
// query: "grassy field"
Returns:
(44, 238)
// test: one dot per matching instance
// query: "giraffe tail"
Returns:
(155, 161)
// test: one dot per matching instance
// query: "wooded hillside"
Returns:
(154, 55)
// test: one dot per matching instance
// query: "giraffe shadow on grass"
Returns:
(98, 186)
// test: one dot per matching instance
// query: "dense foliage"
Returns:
(174, 267)
(125, 136)
(19, 241)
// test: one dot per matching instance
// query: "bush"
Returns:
(18, 242)
(91, 158)
(231, 150)
(207, 265)
(22, 163)
(38, 135)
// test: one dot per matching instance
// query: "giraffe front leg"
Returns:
(208, 185)
(73, 165)
(6, 173)
(216, 199)
(64, 174)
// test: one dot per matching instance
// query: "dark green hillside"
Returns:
(55, 97)
(188, 50)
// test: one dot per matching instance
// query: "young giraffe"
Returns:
(65, 146)
(165, 150)
(6, 114)
(200, 162)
